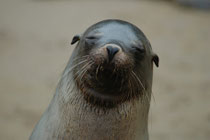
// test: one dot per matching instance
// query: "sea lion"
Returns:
(104, 92)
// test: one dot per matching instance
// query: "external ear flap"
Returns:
(155, 59)
(75, 39)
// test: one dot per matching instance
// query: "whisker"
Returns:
(145, 93)
(135, 80)
(83, 73)
(74, 67)
(97, 72)
(78, 73)
(82, 57)
(148, 98)
(138, 80)
(131, 88)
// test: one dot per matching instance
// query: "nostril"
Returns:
(111, 52)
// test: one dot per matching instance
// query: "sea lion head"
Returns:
(112, 63)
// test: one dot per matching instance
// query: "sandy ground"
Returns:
(34, 49)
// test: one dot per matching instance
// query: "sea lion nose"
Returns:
(111, 51)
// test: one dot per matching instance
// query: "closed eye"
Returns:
(139, 49)
(92, 37)
(91, 40)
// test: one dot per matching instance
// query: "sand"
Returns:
(35, 46)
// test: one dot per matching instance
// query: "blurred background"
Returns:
(35, 38)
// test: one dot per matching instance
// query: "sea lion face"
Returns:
(114, 63)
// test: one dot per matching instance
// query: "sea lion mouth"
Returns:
(107, 79)
(105, 85)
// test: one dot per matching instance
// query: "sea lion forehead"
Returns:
(114, 29)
